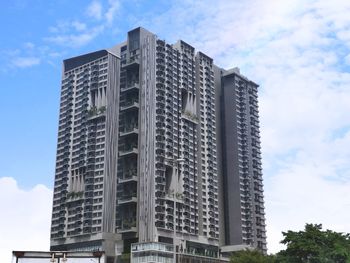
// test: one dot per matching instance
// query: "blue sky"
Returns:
(30, 60)
(297, 50)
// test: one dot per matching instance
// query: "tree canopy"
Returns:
(312, 245)
(251, 256)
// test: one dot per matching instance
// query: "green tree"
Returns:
(251, 256)
(315, 246)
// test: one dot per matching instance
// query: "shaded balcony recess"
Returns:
(129, 129)
(129, 174)
(126, 199)
(126, 230)
(127, 225)
(129, 104)
(130, 63)
(127, 179)
(130, 86)
(129, 150)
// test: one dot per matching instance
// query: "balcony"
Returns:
(130, 86)
(129, 131)
(127, 179)
(95, 112)
(128, 151)
(133, 104)
(131, 63)
(190, 117)
(126, 230)
(127, 199)
(127, 225)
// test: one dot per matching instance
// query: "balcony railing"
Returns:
(128, 229)
(129, 150)
(128, 178)
(129, 130)
(130, 86)
(127, 199)
(127, 225)
(132, 62)
(129, 104)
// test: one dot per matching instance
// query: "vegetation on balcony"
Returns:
(128, 223)
(94, 111)
(128, 127)
(190, 115)
(129, 173)
(129, 102)
(177, 195)
(73, 194)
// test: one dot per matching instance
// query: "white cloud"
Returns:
(29, 45)
(25, 62)
(25, 220)
(61, 26)
(94, 10)
(294, 49)
(64, 27)
(76, 34)
(313, 187)
(72, 33)
(55, 54)
(304, 103)
(347, 59)
(79, 26)
(76, 39)
(112, 10)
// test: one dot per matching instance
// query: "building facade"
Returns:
(140, 156)
(85, 180)
(241, 161)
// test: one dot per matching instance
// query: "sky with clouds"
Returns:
(297, 50)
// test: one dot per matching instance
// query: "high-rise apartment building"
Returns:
(153, 146)
(241, 158)
(87, 150)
